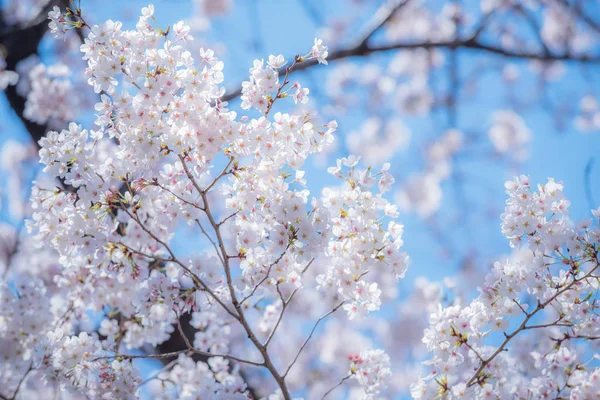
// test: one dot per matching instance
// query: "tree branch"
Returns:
(470, 44)
(381, 17)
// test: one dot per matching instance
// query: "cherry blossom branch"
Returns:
(524, 326)
(533, 24)
(580, 13)
(568, 336)
(240, 360)
(466, 343)
(176, 195)
(287, 70)
(520, 306)
(242, 318)
(148, 231)
(222, 174)
(189, 174)
(483, 23)
(548, 325)
(155, 376)
(284, 304)
(228, 217)
(240, 314)
(141, 253)
(182, 334)
(143, 356)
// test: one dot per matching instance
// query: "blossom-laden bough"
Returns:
(532, 332)
(166, 153)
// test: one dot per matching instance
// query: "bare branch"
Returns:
(310, 336)
(336, 386)
(210, 239)
(470, 43)
(581, 14)
(183, 335)
(285, 304)
(222, 174)
(14, 396)
(381, 17)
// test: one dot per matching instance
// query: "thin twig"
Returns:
(149, 356)
(336, 386)
(177, 196)
(210, 239)
(21, 381)
(285, 304)
(381, 17)
(255, 288)
(165, 368)
(175, 354)
(310, 336)
(228, 217)
(222, 174)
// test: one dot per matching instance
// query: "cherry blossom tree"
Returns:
(178, 224)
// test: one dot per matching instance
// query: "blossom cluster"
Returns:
(552, 293)
(51, 95)
(371, 369)
(214, 379)
(264, 87)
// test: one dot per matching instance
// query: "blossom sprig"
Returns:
(264, 88)
(62, 22)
